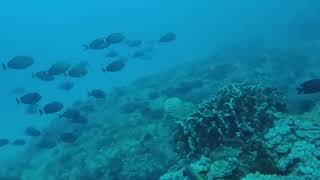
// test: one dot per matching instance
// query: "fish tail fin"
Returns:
(89, 94)
(85, 47)
(300, 90)
(4, 67)
(17, 100)
(103, 70)
(41, 112)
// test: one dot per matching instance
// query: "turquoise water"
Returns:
(56, 30)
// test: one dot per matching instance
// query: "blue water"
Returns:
(51, 31)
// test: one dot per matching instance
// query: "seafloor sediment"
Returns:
(224, 117)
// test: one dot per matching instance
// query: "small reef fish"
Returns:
(68, 137)
(58, 68)
(18, 62)
(115, 66)
(168, 37)
(71, 113)
(46, 143)
(43, 76)
(309, 87)
(51, 108)
(66, 86)
(31, 131)
(97, 44)
(78, 71)
(29, 98)
(134, 43)
(97, 93)
(115, 38)
(19, 142)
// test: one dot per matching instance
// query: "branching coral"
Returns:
(238, 112)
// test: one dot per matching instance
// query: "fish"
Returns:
(68, 137)
(78, 71)
(31, 131)
(58, 68)
(19, 142)
(66, 86)
(138, 54)
(71, 113)
(29, 98)
(168, 37)
(115, 66)
(51, 108)
(97, 93)
(4, 142)
(115, 38)
(309, 87)
(43, 75)
(78, 120)
(18, 63)
(97, 44)
(134, 43)
(46, 143)
(112, 54)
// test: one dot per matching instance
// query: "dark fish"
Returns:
(58, 68)
(168, 37)
(19, 62)
(115, 38)
(79, 120)
(114, 66)
(51, 108)
(78, 71)
(33, 132)
(138, 54)
(97, 93)
(97, 44)
(3, 142)
(68, 137)
(112, 54)
(19, 142)
(309, 87)
(29, 98)
(66, 86)
(134, 43)
(141, 55)
(71, 113)
(46, 143)
(43, 75)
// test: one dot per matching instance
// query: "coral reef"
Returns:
(238, 112)
(294, 146)
(191, 124)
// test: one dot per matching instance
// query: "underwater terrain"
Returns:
(191, 101)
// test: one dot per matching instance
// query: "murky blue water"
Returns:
(56, 30)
